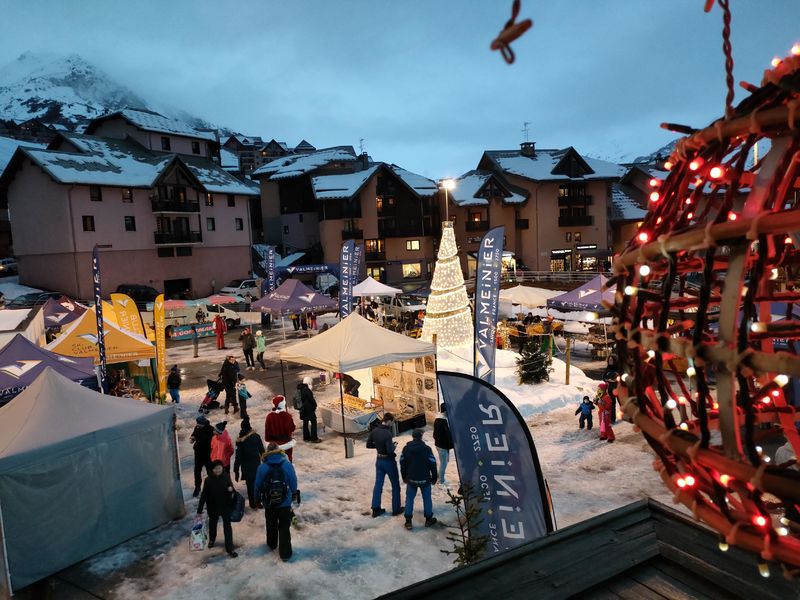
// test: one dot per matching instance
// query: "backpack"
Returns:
(298, 400)
(275, 490)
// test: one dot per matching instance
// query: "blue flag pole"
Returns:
(487, 303)
(98, 311)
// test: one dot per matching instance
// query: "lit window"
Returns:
(412, 270)
(412, 244)
(127, 194)
(209, 199)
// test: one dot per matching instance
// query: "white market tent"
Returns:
(371, 287)
(355, 343)
(80, 472)
(528, 296)
(29, 322)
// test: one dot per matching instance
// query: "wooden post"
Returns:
(344, 425)
(283, 381)
(569, 343)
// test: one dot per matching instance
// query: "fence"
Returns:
(561, 278)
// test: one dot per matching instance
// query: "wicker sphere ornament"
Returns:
(707, 321)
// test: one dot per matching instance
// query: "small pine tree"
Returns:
(468, 546)
(533, 365)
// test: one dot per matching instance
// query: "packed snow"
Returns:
(339, 549)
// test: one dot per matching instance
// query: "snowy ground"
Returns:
(340, 551)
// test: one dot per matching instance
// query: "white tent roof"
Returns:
(528, 296)
(355, 343)
(371, 287)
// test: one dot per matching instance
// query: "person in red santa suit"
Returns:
(220, 327)
(605, 406)
(279, 426)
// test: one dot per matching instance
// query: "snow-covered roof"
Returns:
(471, 183)
(624, 206)
(346, 185)
(421, 185)
(303, 146)
(540, 166)
(148, 120)
(228, 160)
(9, 145)
(296, 165)
(217, 180)
(248, 140)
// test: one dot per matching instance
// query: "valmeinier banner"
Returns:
(494, 453)
(487, 302)
(347, 275)
(268, 285)
(98, 311)
(128, 314)
(359, 264)
(159, 323)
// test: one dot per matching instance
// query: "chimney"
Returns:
(364, 158)
(528, 149)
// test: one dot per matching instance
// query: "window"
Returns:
(569, 236)
(127, 194)
(412, 244)
(88, 222)
(231, 200)
(195, 147)
(577, 236)
(95, 193)
(475, 216)
(183, 251)
(211, 224)
(130, 223)
(209, 199)
(412, 270)
(239, 224)
(165, 252)
(286, 230)
(165, 145)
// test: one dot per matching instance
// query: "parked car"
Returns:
(32, 299)
(188, 315)
(395, 305)
(138, 293)
(241, 287)
(8, 266)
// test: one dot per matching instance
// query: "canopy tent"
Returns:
(28, 322)
(528, 296)
(294, 297)
(586, 297)
(355, 343)
(81, 472)
(80, 340)
(370, 287)
(22, 361)
(61, 312)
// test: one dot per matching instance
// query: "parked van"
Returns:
(188, 316)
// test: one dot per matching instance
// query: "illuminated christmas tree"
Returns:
(448, 315)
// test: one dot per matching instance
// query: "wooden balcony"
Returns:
(174, 206)
(575, 221)
(180, 237)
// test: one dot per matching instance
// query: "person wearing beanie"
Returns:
(605, 407)
(308, 411)
(276, 482)
(248, 345)
(222, 446)
(228, 375)
(380, 438)
(174, 384)
(217, 495)
(242, 394)
(201, 443)
(279, 426)
(261, 347)
(418, 469)
(443, 442)
(249, 449)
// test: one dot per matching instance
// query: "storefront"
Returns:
(561, 259)
(589, 258)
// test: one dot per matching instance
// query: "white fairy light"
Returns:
(690, 372)
(782, 380)
(630, 290)
(670, 404)
(644, 270)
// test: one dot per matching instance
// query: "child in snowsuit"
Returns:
(242, 394)
(585, 409)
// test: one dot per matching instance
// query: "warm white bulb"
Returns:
(651, 354)
(671, 404)
(630, 290)
(758, 327)
(782, 380)
(644, 270)
(684, 426)
(691, 372)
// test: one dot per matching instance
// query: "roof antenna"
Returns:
(525, 130)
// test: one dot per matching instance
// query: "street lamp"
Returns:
(447, 185)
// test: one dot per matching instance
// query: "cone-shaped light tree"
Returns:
(448, 315)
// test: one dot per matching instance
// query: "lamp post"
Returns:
(447, 184)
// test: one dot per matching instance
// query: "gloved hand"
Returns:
(236, 475)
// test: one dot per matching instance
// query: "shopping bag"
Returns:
(237, 512)
(199, 537)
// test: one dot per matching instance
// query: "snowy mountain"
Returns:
(664, 151)
(67, 91)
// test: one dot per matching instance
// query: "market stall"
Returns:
(28, 322)
(59, 313)
(403, 372)
(292, 297)
(591, 298)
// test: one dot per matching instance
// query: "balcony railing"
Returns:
(188, 206)
(477, 225)
(575, 221)
(574, 200)
(521, 223)
(182, 237)
(375, 255)
(353, 234)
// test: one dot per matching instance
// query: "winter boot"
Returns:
(431, 521)
(399, 511)
(377, 512)
(408, 523)
(196, 493)
(233, 554)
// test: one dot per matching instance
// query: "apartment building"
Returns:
(315, 201)
(560, 209)
(146, 192)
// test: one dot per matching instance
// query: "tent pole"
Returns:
(5, 581)
(341, 400)
(283, 381)
(283, 325)
(177, 461)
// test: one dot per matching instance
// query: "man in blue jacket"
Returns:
(277, 483)
(380, 439)
(418, 468)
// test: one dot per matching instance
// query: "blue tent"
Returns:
(586, 297)
(22, 361)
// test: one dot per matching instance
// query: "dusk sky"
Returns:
(415, 78)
